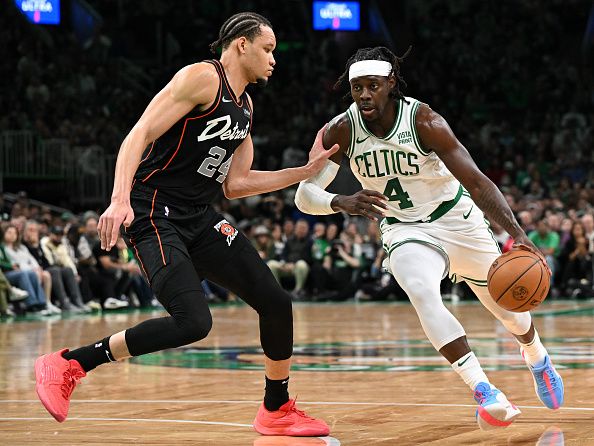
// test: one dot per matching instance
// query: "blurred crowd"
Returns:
(513, 79)
(53, 262)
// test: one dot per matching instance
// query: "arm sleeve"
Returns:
(311, 196)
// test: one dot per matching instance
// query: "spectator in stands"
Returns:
(588, 223)
(114, 277)
(576, 261)
(548, 243)
(65, 283)
(565, 232)
(19, 221)
(288, 229)
(341, 266)
(9, 294)
(215, 293)
(262, 241)
(332, 232)
(277, 240)
(132, 273)
(319, 248)
(320, 244)
(86, 261)
(55, 248)
(28, 281)
(372, 252)
(295, 259)
(19, 255)
(274, 207)
(4, 293)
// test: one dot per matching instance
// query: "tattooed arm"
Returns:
(436, 135)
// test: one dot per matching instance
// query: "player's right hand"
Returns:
(368, 203)
(110, 222)
(318, 155)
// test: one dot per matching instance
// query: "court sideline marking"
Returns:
(329, 441)
(313, 403)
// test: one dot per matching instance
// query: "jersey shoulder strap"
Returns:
(410, 118)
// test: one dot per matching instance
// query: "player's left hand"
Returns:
(318, 155)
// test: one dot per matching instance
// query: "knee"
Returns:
(302, 266)
(277, 303)
(419, 290)
(274, 265)
(195, 327)
(416, 287)
(516, 323)
(282, 303)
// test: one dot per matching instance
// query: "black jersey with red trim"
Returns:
(190, 161)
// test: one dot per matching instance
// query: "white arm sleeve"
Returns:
(311, 197)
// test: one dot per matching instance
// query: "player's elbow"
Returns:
(300, 200)
(478, 185)
(231, 190)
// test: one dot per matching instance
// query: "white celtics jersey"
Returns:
(415, 181)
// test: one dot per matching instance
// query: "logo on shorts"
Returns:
(227, 230)
(520, 292)
(166, 211)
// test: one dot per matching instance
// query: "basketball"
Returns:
(518, 280)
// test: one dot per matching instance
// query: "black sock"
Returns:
(92, 355)
(277, 393)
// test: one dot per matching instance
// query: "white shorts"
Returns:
(462, 235)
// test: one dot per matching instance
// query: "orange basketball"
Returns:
(518, 280)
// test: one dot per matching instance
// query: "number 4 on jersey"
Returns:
(394, 192)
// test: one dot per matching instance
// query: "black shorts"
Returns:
(162, 226)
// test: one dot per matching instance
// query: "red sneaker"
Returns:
(288, 420)
(55, 379)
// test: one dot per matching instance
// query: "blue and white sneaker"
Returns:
(494, 410)
(547, 383)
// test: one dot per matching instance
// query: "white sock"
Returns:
(534, 352)
(470, 370)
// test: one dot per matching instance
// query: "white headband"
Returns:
(370, 68)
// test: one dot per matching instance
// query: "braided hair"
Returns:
(243, 24)
(376, 53)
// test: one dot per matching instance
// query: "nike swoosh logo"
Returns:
(468, 213)
(460, 364)
(226, 100)
(361, 140)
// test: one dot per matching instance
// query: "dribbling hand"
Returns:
(110, 221)
(527, 245)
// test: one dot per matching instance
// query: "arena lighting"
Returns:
(337, 16)
(41, 12)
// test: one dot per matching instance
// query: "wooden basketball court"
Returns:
(367, 369)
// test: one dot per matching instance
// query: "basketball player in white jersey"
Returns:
(416, 174)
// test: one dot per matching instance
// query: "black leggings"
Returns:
(178, 288)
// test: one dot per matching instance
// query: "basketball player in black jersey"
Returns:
(193, 139)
